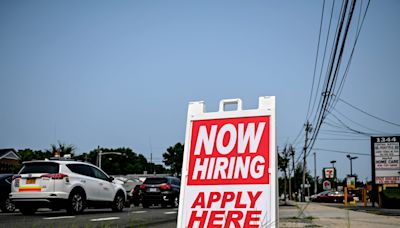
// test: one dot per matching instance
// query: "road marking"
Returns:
(60, 217)
(138, 212)
(170, 212)
(104, 219)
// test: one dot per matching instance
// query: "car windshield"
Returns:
(40, 167)
(155, 180)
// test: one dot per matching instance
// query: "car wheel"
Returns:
(76, 203)
(136, 204)
(7, 206)
(145, 205)
(118, 203)
(10, 207)
(27, 210)
(175, 203)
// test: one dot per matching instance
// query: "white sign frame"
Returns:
(269, 200)
(385, 153)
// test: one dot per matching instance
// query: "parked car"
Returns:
(132, 187)
(68, 184)
(134, 196)
(160, 190)
(331, 197)
(5, 188)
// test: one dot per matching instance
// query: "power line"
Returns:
(331, 78)
(366, 113)
(316, 59)
(359, 26)
(349, 128)
(341, 152)
(340, 139)
(323, 58)
(356, 122)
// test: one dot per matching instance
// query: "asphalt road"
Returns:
(129, 217)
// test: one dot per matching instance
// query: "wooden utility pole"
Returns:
(294, 182)
(303, 192)
(315, 174)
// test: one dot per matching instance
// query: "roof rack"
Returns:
(62, 159)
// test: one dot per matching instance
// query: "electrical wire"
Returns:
(366, 113)
(316, 59)
(341, 152)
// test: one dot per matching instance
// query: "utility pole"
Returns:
(292, 154)
(303, 190)
(290, 179)
(98, 157)
(315, 174)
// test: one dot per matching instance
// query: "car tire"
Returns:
(145, 205)
(27, 210)
(76, 202)
(7, 206)
(175, 202)
(118, 203)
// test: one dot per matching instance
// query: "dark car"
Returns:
(160, 190)
(134, 196)
(5, 189)
(331, 197)
(132, 187)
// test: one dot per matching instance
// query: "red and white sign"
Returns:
(329, 173)
(229, 167)
(326, 185)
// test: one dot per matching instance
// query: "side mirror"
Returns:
(110, 179)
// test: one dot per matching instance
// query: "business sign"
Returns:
(351, 182)
(229, 167)
(326, 185)
(385, 159)
(329, 173)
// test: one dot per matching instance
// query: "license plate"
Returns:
(30, 181)
(152, 189)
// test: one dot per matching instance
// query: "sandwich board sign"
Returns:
(229, 171)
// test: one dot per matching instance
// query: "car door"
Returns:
(84, 175)
(105, 187)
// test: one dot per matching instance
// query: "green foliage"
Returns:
(62, 149)
(173, 158)
(128, 162)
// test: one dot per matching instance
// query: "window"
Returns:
(155, 180)
(8, 180)
(81, 169)
(98, 174)
(40, 167)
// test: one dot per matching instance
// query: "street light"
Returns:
(334, 177)
(351, 163)
(333, 163)
(101, 153)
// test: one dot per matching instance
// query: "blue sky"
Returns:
(121, 73)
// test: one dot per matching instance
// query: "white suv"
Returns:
(65, 184)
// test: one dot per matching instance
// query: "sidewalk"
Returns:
(320, 215)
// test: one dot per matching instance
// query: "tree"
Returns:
(298, 176)
(61, 149)
(283, 163)
(173, 158)
(127, 162)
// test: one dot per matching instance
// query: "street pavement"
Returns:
(297, 214)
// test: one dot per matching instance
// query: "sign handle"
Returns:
(225, 102)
